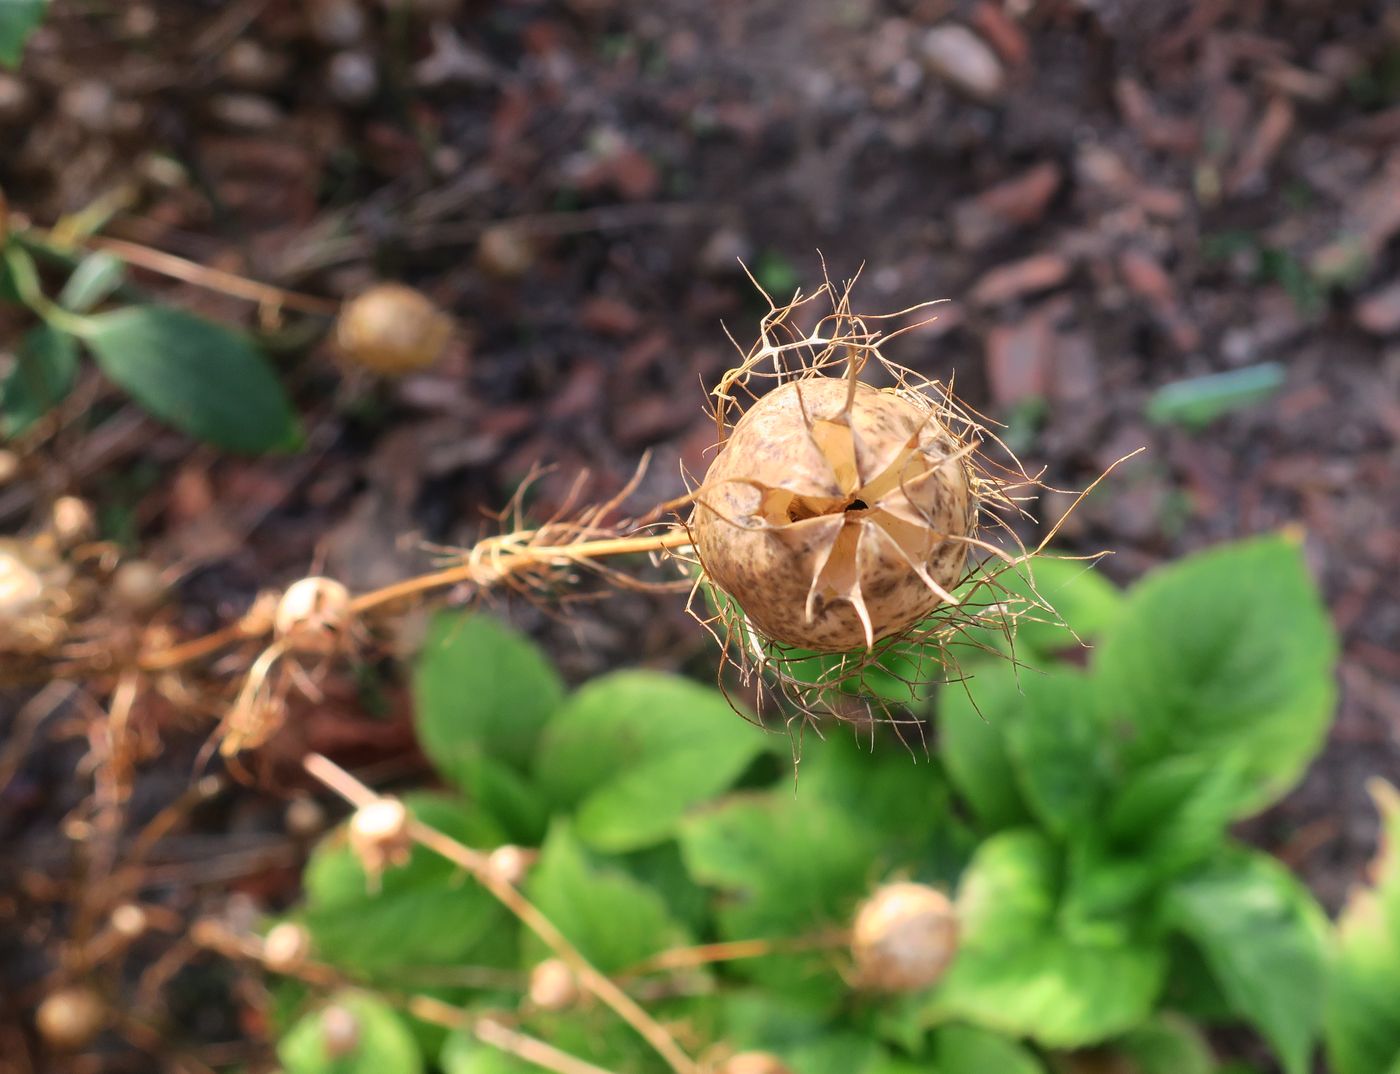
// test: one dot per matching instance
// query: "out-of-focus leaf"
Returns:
(1199, 401)
(972, 721)
(969, 1050)
(632, 751)
(383, 1043)
(425, 913)
(18, 19)
(200, 377)
(1265, 939)
(1168, 1044)
(1018, 972)
(1229, 654)
(483, 694)
(46, 366)
(1362, 1013)
(611, 917)
(94, 280)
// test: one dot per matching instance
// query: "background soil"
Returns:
(1114, 195)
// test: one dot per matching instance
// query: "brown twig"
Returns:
(475, 862)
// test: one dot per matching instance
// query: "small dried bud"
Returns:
(510, 863)
(392, 329)
(286, 947)
(72, 521)
(904, 938)
(379, 836)
(129, 920)
(340, 1031)
(137, 585)
(314, 616)
(304, 817)
(834, 513)
(553, 986)
(71, 1018)
(753, 1063)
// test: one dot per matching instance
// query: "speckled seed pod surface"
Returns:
(832, 514)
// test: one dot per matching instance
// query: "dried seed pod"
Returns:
(129, 920)
(553, 986)
(834, 515)
(286, 947)
(753, 1063)
(71, 1018)
(510, 863)
(392, 329)
(340, 1031)
(314, 615)
(904, 937)
(379, 836)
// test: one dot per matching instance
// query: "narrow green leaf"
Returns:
(1362, 1014)
(1199, 401)
(612, 918)
(382, 1042)
(632, 751)
(18, 19)
(1264, 939)
(483, 694)
(200, 377)
(46, 366)
(1229, 653)
(93, 281)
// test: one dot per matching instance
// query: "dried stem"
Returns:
(475, 862)
(682, 958)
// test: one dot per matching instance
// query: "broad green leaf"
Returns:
(45, 367)
(972, 721)
(94, 280)
(1041, 607)
(1198, 401)
(483, 694)
(613, 919)
(786, 865)
(202, 378)
(837, 1053)
(18, 19)
(1175, 813)
(1017, 971)
(383, 1043)
(1228, 654)
(1168, 1044)
(426, 913)
(1264, 939)
(632, 751)
(1362, 1013)
(959, 1049)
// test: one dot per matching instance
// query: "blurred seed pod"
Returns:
(553, 986)
(314, 616)
(392, 329)
(72, 521)
(340, 1031)
(36, 596)
(510, 863)
(904, 938)
(504, 252)
(71, 1018)
(379, 836)
(286, 947)
(137, 585)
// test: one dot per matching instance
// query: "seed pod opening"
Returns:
(835, 512)
(904, 938)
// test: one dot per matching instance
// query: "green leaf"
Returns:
(483, 694)
(383, 1044)
(8, 291)
(1047, 606)
(1169, 1044)
(1017, 971)
(837, 1053)
(959, 1049)
(612, 918)
(46, 366)
(93, 281)
(972, 721)
(632, 751)
(1198, 401)
(18, 19)
(1264, 939)
(787, 865)
(1362, 1015)
(1228, 654)
(426, 913)
(200, 377)
(464, 1054)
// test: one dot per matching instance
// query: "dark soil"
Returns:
(1115, 197)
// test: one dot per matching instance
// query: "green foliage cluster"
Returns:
(1077, 812)
(205, 379)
